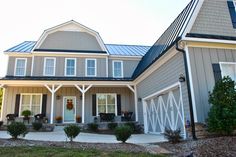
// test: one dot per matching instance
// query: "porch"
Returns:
(72, 103)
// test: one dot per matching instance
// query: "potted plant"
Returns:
(78, 119)
(26, 114)
(59, 119)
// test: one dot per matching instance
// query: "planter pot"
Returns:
(59, 121)
(78, 120)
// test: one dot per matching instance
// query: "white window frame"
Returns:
(113, 69)
(31, 95)
(106, 101)
(16, 60)
(44, 66)
(65, 72)
(86, 64)
(234, 63)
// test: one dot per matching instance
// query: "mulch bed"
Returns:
(83, 146)
(210, 147)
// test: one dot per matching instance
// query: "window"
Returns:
(20, 66)
(49, 66)
(106, 103)
(91, 67)
(117, 68)
(31, 102)
(70, 67)
(228, 69)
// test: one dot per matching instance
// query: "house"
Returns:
(69, 71)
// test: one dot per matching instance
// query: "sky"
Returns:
(134, 22)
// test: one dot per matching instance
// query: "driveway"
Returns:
(59, 135)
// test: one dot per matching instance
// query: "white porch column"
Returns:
(53, 90)
(134, 90)
(3, 102)
(83, 90)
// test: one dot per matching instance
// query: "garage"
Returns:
(164, 109)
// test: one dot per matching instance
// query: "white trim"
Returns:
(226, 63)
(86, 72)
(65, 70)
(120, 57)
(31, 96)
(16, 60)
(113, 68)
(221, 41)
(32, 66)
(63, 110)
(191, 84)
(106, 94)
(82, 54)
(44, 66)
(3, 101)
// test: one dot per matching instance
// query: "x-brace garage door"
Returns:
(164, 109)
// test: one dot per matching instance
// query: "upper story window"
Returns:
(228, 69)
(91, 67)
(20, 66)
(117, 68)
(49, 66)
(70, 67)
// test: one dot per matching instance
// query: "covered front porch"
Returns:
(70, 101)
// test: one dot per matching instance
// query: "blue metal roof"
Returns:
(113, 49)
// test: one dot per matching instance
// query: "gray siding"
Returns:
(128, 67)
(214, 18)
(201, 60)
(60, 66)
(165, 76)
(11, 65)
(69, 40)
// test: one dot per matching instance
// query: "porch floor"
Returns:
(59, 135)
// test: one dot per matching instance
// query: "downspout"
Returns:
(188, 88)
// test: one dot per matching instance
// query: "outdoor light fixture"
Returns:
(181, 78)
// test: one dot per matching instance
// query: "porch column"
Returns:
(83, 90)
(3, 97)
(134, 90)
(53, 90)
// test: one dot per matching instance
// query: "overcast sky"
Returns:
(138, 22)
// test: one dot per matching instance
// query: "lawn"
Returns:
(63, 152)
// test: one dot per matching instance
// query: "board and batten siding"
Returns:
(201, 60)
(167, 75)
(214, 18)
(128, 67)
(60, 66)
(11, 65)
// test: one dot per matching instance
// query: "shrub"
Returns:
(131, 125)
(93, 127)
(112, 126)
(26, 113)
(123, 133)
(37, 126)
(222, 115)
(173, 136)
(17, 128)
(72, 131)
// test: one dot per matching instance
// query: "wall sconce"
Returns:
(58, 97)
(139, 99)
(181, 78)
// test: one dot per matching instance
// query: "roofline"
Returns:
(61, 50)
(210, 36)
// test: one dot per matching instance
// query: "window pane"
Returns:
(117, 69)
(91, 67)
(70, 67)
(25, 103)
(229, 70)
(106, 103)
(110, 108)
(20, 67)
(35, 109)
(49, 67)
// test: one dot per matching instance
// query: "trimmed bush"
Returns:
(72, 131)
(26, 113)
(123, 133)
(222, 115)
(173, 136)
(93, 127)
(112, 126)
(131, 125)
(16, 129)
(37, 126)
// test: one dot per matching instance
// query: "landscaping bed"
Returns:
(210, 147)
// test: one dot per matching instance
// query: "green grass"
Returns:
(63, 152)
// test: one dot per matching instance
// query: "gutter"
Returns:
(188, 88)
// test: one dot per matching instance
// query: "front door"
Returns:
(69, 108)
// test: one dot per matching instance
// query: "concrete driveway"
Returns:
(59, 135)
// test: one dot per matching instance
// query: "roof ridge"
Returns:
(130, 45)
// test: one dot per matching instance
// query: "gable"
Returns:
(71, 40)
(214, 19)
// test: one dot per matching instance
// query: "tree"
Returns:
(222, 115)
(1, 94)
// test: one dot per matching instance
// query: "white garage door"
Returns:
(164, 109)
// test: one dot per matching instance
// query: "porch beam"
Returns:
(131, 88)
(53, 90)
(88, 88)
